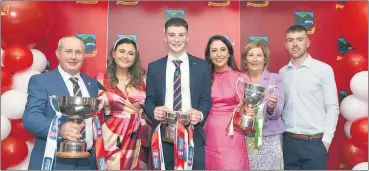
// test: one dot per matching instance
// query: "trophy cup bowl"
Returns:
(171, 119)
(254, 94)
(170, 127)
(75, 109)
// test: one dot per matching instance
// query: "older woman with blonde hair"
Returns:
(268, 156)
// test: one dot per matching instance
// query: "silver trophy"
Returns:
(74, 109)
(254, 94)
(170, 124)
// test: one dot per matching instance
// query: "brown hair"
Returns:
(263, 47)
(177, 22)
(136, 70)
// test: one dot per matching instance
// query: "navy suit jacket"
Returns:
(200, 82)
(38, 115)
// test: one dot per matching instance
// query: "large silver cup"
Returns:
(75, 109)
(253, 95)
(170, 124)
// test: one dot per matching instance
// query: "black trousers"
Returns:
(304, 154)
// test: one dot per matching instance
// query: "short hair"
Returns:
(262, 46)
(177, 22)
(296, 28)
(60, 42)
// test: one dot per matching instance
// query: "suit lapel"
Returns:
(163, 79)
(192, 64)
(59, 83)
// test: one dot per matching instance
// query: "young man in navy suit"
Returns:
(39, 114)
(189, 93)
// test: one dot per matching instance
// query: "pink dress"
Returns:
(223, 152)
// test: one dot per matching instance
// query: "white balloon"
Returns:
(361, 166)
(353, 108)
(2, 52)
(359, 85)
(12, 103)
(6, 127)
(39, 61)
(24, 164)
(20, 79)
(347, 128)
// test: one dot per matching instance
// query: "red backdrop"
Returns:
(146, 20)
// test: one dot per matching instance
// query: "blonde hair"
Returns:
(260, 45)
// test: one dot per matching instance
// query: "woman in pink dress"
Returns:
(125, 129)
(223, 152)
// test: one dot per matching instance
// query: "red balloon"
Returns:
(359, 132)
(353, 155)
(13, 151)
(6, 79)
(26, 22)
(19, 131)
(354, 62)
(17, 58)
(354, 24)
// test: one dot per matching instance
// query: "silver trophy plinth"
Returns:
(170, 126)
(254, 94)
(74, 109)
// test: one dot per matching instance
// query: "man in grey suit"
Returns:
(39, 114)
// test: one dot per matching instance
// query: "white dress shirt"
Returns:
(311, 100)
(66, 77)
(185, 82)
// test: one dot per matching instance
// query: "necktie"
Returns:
(177, 94)
(76, 88)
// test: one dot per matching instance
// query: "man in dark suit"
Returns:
(179, 82)
(65, 80)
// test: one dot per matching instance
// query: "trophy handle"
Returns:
(237, 91)
(52, 98)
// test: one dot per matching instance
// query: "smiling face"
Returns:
(297, 43)
(219, 54)
(70, 53)
(255, 60)
(124, 55)
(177, 38)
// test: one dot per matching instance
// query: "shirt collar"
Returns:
(183, 57)
(67, 76)
(307, 63)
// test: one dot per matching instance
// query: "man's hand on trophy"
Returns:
(195, 116)
(272, 103)
(159, 112)
(250, 111)
(71, 131)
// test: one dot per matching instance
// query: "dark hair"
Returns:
(296, 28)
(231, 63)
(136, 70)
(177, 22)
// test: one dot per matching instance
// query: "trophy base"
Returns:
(75, 155)
(168, 140)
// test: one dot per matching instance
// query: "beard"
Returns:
(298, 55)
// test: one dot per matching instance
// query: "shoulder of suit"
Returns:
(158, 61)
(88, 78)
(198, 60)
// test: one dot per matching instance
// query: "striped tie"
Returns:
(76, 88)
(177, 94)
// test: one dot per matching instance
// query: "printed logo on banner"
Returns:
(102, 163)
(174, 14)
(263, 39)
(155, 156)
(180, 146)
(305, 19)
(131, 36)
(47, 163)
(344, 46)
(90, 44)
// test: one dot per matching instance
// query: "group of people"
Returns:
(299, 117)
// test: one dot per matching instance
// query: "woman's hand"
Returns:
(272, 103)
